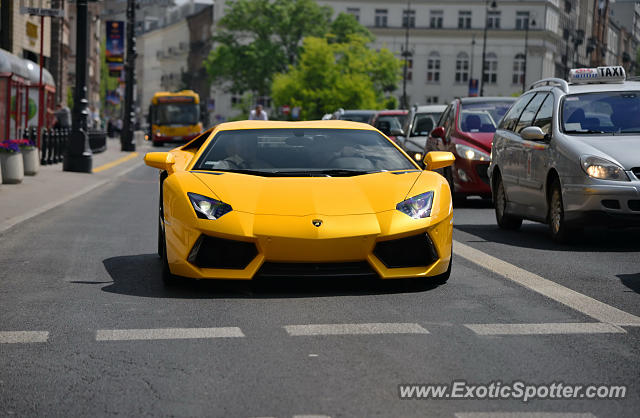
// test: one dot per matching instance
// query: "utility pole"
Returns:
(406, 55)
(126, 136)
(484, 43)
(78, 156)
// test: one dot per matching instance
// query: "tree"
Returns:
(261, 38)
(330, 75)
(346, 26)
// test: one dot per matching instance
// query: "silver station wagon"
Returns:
(568, 154)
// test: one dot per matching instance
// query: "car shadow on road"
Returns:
(536, 236)
(632, 281)
(140, 275)
(474, 203)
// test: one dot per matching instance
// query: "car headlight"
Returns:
(470, 153)
(599, 168)
(207, 208)
(418, 206)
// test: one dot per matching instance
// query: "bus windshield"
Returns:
(177, 114)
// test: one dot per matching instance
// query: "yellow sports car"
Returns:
(323, 198)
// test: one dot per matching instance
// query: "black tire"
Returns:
(427, 283)
(504, 220)
(167, 278)
(441, 279)
(160, 239)
(560, 231)
(457, 198)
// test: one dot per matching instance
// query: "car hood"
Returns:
(302, 196)
(625, 150)
(481, 140)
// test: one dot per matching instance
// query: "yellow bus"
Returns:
(174, 117)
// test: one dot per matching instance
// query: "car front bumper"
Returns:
(342, 246)
(607, 204)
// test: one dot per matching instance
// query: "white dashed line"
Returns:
(546, 328)
(523, 415)
(167, 333)
(18, 337)
(355, 329)
(577, 301)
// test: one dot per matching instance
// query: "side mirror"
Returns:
(161, 160)
(532, 133)
(397, 132)
(438, 159)
(438, 133)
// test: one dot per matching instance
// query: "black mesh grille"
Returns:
(415, 251)
(351, 269)
(481, 169)
(634, 205)
(219, 253)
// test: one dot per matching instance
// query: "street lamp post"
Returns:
(126, 136)
(78, 156)
(405, 56)
(526, 50)
(484, 42)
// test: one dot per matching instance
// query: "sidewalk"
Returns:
(52, 186)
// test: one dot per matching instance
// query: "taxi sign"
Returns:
(611, 74)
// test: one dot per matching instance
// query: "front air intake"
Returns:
(218, 253)
(414, 251)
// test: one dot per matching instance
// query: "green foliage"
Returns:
(70, 97)
(259, 38)
(346, 26)
(330, 75)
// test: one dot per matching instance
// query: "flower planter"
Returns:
(31, 161)
(12, 167)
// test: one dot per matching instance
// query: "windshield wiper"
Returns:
(586, 131)
(240, 171)
(321, 173)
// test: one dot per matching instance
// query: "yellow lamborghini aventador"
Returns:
(322, 198)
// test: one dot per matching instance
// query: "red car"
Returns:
(390, 122)
(466, 129)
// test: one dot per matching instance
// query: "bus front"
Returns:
(174, 118)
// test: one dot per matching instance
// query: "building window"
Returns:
(522, 20)
(464, 19)
(432, 100)
(462, 67)
(433, 68)
(409, 17)
(491, 69)
(355, 12)
(435, 19)
(493, 20)
(381, 18)
(518, 69)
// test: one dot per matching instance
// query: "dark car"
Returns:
(466, 129)
(390, 122)
(364, 116)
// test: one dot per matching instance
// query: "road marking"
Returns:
(577, 301)
(166, 333)
(17, 337)
(311, 416)
(115, 163)
(523, 415)
(547, 328)
(42, 209)
(354, 329)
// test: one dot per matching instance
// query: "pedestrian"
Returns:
(63, 116)
(258, 114)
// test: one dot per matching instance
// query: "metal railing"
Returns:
(54, 142)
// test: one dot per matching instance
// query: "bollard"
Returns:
(44, 148)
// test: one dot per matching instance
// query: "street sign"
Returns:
(35, 8)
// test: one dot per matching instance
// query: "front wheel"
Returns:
(457, 198)
(504, 220)
(560, 232)
(168, 278)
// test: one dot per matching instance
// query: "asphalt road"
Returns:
(95, 333)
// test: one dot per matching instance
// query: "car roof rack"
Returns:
(556, 82)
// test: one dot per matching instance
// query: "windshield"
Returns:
(423, 123)
(482, 116)
(302, 152)
(603, 112)
(386, 123)
(177, 114)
